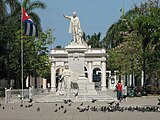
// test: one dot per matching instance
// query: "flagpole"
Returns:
(123, 8)
(22, 49)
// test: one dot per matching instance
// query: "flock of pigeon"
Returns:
(113, 107)
(109, 107)
(30, 104)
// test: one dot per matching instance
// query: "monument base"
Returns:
(53, 90)
(85, 86)
(103, 88)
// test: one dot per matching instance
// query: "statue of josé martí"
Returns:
(75, 27)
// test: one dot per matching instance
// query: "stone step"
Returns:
(57, 98)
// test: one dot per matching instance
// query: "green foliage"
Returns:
(30, 6)
(35, 50)
(94, 40)
(126, 57)
(134, 41)
(113, 36)
(151, 89)
(7, 37)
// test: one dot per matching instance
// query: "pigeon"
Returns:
(62, 106)
(3, 107)
(82, 109)
(30, 100)
(65, 101)
(21, 105)
(121, 109)
(55, 110)
(130, 108)
(12, 107)
(94, 100)
(94, 109)
(38, 109)
(70, 100)
(143, 109)
(69, 104)
(117, 104)
(125, 108)
(76, 94)
(88, 106)
(101, 108)
(55, 104)
(81, 104)
(65, 111)
(111, 103)
(158, 102)
(124, 97)
(30, 105)
(78, 107)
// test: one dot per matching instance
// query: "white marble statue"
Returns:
(65, 79)
(75, 27)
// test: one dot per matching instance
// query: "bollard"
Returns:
(30, 92)
(6, 96)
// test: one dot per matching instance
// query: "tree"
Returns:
(35, 50)
(113, 37)
(7, 38)
(141, 28)
(35, 56)
(94, 40)
(7, 15)
(30, 7)
(2, 9)
(127, 56)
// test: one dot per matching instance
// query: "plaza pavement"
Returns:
(46, 111)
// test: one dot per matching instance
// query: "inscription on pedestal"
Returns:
(76, 62)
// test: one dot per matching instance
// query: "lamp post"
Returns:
(8, 50)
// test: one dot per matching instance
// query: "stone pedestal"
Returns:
(82, 82)
(85, 86)
(103, 88)
(53, 89)
(76, 64)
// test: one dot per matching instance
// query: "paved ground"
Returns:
(47, 111)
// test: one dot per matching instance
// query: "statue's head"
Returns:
(66, 66)
(74, 14)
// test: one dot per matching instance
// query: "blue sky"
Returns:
(95, 16)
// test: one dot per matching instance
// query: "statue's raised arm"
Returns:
(67, 17)
(74, 27)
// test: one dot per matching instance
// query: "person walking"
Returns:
(119, 90)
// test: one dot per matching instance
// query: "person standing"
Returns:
(119, 90)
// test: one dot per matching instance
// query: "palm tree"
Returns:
(30, 6)
(6, 13)
(2, 9)
(14, 11)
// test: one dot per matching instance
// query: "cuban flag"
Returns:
(29, 26)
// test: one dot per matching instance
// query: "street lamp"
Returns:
(8, 50)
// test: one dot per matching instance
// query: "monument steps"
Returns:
(79, 98)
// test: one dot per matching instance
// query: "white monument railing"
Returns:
(15, 95)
